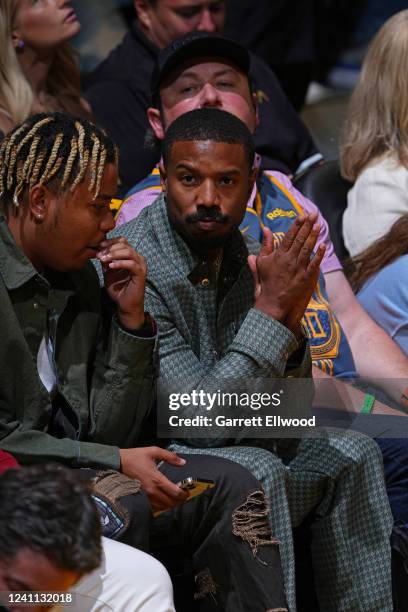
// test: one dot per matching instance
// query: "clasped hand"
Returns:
(285, 276)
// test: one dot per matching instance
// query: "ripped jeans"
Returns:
(224, 531)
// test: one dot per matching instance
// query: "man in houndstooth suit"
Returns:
(224, 316)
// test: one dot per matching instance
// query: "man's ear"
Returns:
(163, 176)
(143, 10)
(154, 117)
(252, 178)
(256, 107)
(39, 201)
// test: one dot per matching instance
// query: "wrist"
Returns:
(273, 312)
(121, 459)
(297, 331)
(148, 329)
(404, 400)
(123, 455)
(367, 404)
(131, 322)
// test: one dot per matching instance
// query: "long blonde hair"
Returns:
(377, 118)
(16, 96)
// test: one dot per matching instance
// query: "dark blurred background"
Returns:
(315, 47)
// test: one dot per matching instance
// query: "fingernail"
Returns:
(181, 461)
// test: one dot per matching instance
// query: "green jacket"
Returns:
(105, 376)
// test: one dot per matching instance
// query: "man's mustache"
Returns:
(207, 214)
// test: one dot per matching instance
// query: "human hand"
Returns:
(125, 278)
(284, 275)
(141, 464)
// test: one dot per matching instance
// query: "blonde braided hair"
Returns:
(53, 146)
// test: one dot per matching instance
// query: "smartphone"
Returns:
(194, 487)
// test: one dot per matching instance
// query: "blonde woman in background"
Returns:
(374, 151)
(38, 72)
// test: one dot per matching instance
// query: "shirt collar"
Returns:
(15, 268)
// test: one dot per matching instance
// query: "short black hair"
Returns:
(47, 509)
(209, 124)
(53, 147)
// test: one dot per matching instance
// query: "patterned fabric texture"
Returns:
(338, 479)
(275, 203)
(208, 331)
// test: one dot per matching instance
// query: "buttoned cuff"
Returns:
(130, 350)
(300, 362)
(266, 340)
(148, 329)
(94, 455)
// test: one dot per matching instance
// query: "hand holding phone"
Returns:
(194, 487)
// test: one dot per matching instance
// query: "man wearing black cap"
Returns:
(119, 90)
(185, 79)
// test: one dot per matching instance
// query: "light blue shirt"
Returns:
(385, 298)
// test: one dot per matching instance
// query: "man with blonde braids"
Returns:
(77, 372)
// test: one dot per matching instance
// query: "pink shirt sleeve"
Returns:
(330, 261)
(134, 204)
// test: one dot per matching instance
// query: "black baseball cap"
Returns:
(197, 44)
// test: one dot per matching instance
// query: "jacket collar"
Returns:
(15, 268)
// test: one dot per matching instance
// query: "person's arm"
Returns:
(265, 345)
(261, 349)
(33, 446)
(123, 381)
(336, 394)
(121, 378)
(377, 357)
(262, 346)
(283, 278)
(123, 385)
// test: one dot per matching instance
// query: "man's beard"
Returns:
(202, 244)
